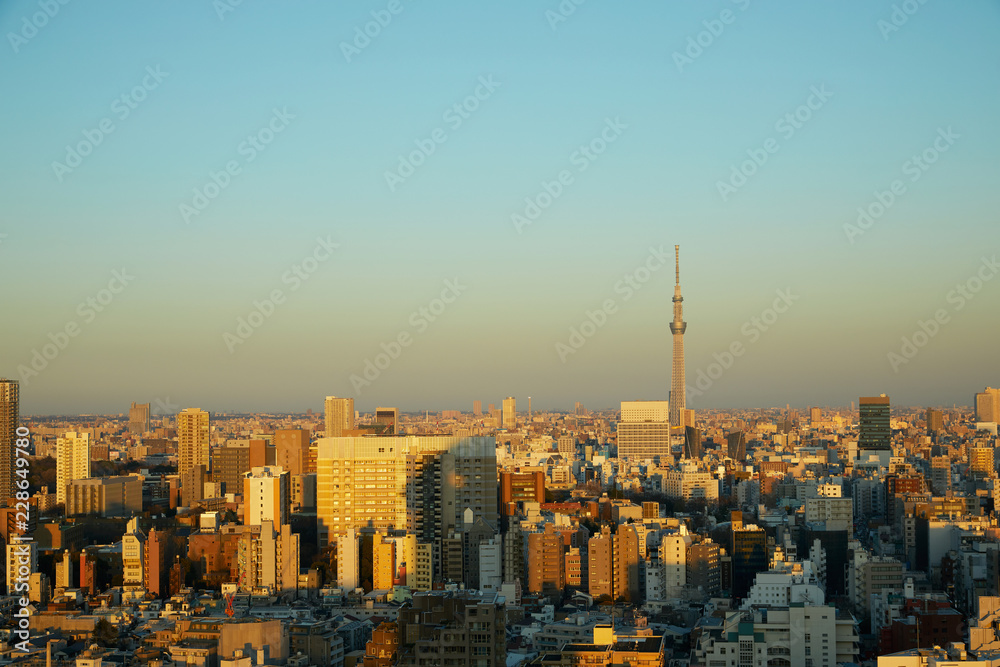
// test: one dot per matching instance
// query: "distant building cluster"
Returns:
(645, 536)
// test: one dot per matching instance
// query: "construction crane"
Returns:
(230, 612)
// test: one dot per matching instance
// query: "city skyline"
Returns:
(202, 215)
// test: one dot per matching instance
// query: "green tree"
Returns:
(105, 634)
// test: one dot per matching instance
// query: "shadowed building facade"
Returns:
(8, 435)
(874, 423)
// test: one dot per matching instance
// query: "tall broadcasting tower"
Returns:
(677, 328)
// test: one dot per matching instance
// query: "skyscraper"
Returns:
(644, 430)
(874, 422)
(935, 421)
(987, 405)
(192, 439)
(477, 408)
(72, 461)
(509, 413)
(339, 416)
(692, 442)
(677, 328)
(749, 555)
(8, 435)
(736, 446)
(138, 418)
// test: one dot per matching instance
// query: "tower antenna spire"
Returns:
(677, 254)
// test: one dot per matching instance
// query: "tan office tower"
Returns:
(72, 461)
(509, 413)
(339, 416)
(987, 405)
(8, 435)
(935, 421)
(193, 440)
(138, 418)
(291, 450)
(644, 430)
(477, 408)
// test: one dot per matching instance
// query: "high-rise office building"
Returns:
(229, 465)
(388, 418)
(736, 445)
(193, 439)
(422, 484)
(702, 566)
(678, 326)
(138, 418)
(935, 421)
(72, 461)
(509, 413)
(546, 562)
(987, 405)
(266, 496)
(477, 408)
(600, 554)
(339, 416)
(291, 450)
(692, 442)
(614, 564)
(8, 435)
(749, 555)
(644, 430)
(874, 423)
(626, 554)
(193, 485)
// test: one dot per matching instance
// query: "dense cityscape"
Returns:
(534, 333)
(647, 536)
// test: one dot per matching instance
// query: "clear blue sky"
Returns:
(555, 85)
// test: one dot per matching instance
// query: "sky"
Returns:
(251, 206)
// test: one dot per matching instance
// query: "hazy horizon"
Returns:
(243, 208)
